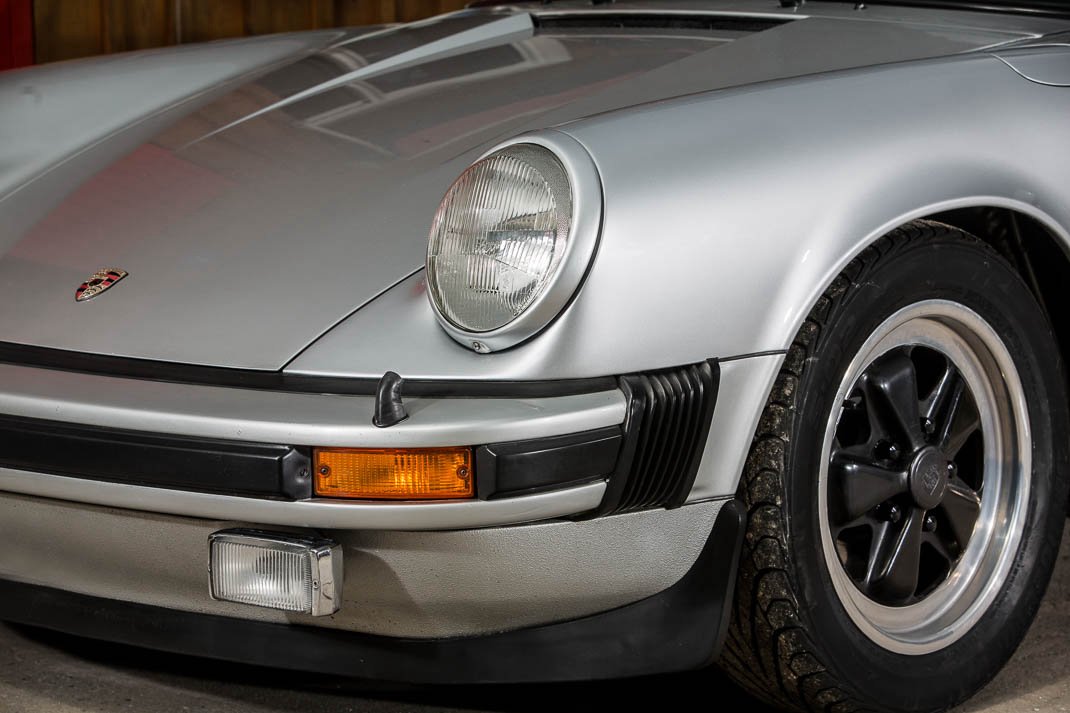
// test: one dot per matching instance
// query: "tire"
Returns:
(829, 622)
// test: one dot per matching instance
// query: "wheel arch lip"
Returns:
(1024, 205)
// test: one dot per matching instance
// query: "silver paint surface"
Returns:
(293, 219)
(293, 418)
(316, 512)
(739, 175)
(396, 583)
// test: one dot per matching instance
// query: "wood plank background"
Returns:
(65, 29)
(16, 34)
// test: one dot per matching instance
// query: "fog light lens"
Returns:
(276, 571)
(394, 473)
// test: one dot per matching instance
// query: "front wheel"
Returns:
(905, 492)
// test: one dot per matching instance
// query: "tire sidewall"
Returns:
(956, 268)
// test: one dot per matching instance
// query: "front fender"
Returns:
(727, 214)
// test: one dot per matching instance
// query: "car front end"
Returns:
(281, 424)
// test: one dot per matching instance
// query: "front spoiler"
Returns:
(681, 628)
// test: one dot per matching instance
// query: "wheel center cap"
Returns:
(928, 478)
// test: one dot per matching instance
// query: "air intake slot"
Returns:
(654, 21)
(665, 431)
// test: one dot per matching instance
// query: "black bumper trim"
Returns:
(262, 470)
(666, 424)
(155, 460)
(201, 375)
(681, 628)
(524, 467)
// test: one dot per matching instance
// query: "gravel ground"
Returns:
(44, 672)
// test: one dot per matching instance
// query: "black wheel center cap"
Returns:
(928, 477)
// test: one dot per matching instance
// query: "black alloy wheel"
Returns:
(906, 488)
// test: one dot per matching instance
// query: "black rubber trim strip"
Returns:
(681, 628)
(751, 355)
(149, 370)
(702, 433)
(608, 20)
(1051, 8)
(523, 467)
(156, 460)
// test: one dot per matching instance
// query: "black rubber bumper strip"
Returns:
(681, 628)
(155, 460)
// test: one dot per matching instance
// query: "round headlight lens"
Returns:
(499, 237)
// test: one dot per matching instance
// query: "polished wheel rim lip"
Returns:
(952, 609)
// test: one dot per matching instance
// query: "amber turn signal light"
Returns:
(394, 473)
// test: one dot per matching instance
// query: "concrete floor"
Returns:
(42, 672)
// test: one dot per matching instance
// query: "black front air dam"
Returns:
(678, 629)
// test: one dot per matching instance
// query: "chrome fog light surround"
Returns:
(569, 269)
(276, 571)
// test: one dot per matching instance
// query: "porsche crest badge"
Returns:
(98, 282)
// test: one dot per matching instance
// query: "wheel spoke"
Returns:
(939, 546)
(944, 394)
(961, 422)
(863, 486)
(896, 561)
(961, 506)
(892, 399)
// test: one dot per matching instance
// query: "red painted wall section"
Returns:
(16, 33)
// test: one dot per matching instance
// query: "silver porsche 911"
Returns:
(549, 341)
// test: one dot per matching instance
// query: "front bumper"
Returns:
(142, 445)
(679, 628)
(125, 539)
(303, 420)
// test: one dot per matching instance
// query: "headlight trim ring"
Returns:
(570, 270)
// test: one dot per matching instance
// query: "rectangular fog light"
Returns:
(276, 570)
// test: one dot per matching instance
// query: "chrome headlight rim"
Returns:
(580, 248)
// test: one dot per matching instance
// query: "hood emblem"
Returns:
(98, 282)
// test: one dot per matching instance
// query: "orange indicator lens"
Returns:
(394, 473)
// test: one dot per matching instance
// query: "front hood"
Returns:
(254, 219)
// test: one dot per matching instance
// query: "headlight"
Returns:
(499, 259)
(499, 237)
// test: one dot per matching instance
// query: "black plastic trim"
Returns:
(1051, 8)
(667, 423)
(678, 629)
(608, 20)
(521, 467)
(199, 375)
(1037, 8)
(137, 458)
(752, 355)
(389, 407)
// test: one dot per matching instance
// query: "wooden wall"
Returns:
(16, 34)
(65, 29)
